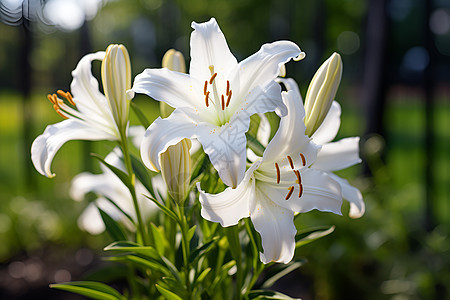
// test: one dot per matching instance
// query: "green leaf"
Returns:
(125, 247)
(280, 272)
(201, 165)
(191, 232)
(139, 114)
(202, 250)
(141, 262)
(112, 227)
(119, 173)
(142, 174)
(311, 234)
(120, 209)
(202, 276)
(159, 238)
(167, 294)
(165, 210)
(264, 294)
(92, 289)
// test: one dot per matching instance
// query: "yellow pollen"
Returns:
(289, 194)
(50, 97)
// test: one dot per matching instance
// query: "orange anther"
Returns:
(70, 98)
(223, 102)
(206, 99)
(297, 173)
(303, 159)
(300, 192)
(205, 87)
(212, 78)
(50, 97)
(229, 98)
(290, 162)
(228, 87)
(289, 194)
(278, 173)
(59, 113)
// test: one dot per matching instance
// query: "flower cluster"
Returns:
(212, 106)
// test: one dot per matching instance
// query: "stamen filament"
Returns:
(289, 194)
(229, 98)
(303, 159)
(290, 162)
(212, 78)
(278, 173)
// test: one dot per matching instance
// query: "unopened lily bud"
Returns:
(172, 60)
(321, 92)
(116, 78)
(176, 169)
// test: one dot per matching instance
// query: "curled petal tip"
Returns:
(301, 56)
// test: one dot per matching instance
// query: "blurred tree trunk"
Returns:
(27, 116)
(429, 86)
(375, 66)
(375, 74)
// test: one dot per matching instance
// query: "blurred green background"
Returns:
(395, 94)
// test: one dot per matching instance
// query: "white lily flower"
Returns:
(335, 156)
(214, 102)
(108, 185)
(276, 186)
(89, 114)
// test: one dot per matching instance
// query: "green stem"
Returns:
(128, 165)
(185, 246)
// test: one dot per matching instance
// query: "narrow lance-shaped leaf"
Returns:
(94, 290)
(112, 227)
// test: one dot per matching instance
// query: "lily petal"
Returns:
(163, 133)
(225, 147)
(264, 130)
(329, 128)
(85, 89)
(171, 87)
(209, 48)
(320, 191)
(45, 146)
(264, 65)
(338, 155)
(290, 139)
(231, 205)
(275, 225)
(352, 195)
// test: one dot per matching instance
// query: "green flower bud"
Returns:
(321, 92)
(176, 169)
(172, 60)
(116, 79)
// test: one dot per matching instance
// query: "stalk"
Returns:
(129, 167)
